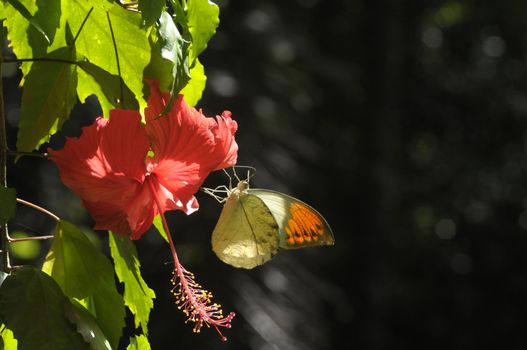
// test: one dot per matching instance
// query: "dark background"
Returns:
(404, 123)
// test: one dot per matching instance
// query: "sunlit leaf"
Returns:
(74, 262)
(87, 326)
(32, 306)
(26, 250)
(10, 343)
(47, 99)
(7, 204)
(202, 21)
(138, 297)
(84, 272)
(195, 86)
(25, 38)
(107, 87)
(159, 226)
(95, 41)
(29, 17)
(151, 10)
(139, 342)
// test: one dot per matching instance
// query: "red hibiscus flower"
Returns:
(127, 173)
(111, 169)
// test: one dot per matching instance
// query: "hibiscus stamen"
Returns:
(195, 301)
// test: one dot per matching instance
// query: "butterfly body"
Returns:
(255, 223)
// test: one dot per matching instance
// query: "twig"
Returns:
(34, 206)
(4, 246)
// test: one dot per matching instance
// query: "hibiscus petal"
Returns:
(106, 167)
(224, 132)
(187, 147)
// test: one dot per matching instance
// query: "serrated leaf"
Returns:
(87, 326)
(202, 21)
(195, 86)
(138, 297)
(74, 262)
(7, 204)
(10, 343)
(47, 99)
(138, 342)
(23, 36)
(32, 306)
(106, 86)
(27, 15)
(95, 41)
(151, 10)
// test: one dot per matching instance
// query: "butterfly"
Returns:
(255, 223)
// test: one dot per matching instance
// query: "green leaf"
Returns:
(47, 99)
(159, 68)
(175, 49)
(1, 343)
(202, 21)
(138, 342)
(27, 15)
(32, 306)
(87, 326)
(74, 262)
(158, 223)
(27, 41)
(84, 272)
(107, 87)
(10, 343)
(138, 297)
(194, 88)
(7, 204)
(151, 10)
(95, 41)
(107, 305)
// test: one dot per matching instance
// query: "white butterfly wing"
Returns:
(246, 234)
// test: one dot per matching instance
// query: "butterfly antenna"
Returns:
(230, 178)
(235, 173)
(251, 171)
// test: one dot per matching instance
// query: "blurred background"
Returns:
(404, 123)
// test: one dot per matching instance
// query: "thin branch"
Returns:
(34, 206)
(29, 154)
(33, 238)
(39, 59)
(4, 246)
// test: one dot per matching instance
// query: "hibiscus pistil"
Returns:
(191, 298)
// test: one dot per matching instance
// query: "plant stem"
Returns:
(32, 238)
(34, 206)
(29, 154)
(38, 59)
(5, 265)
